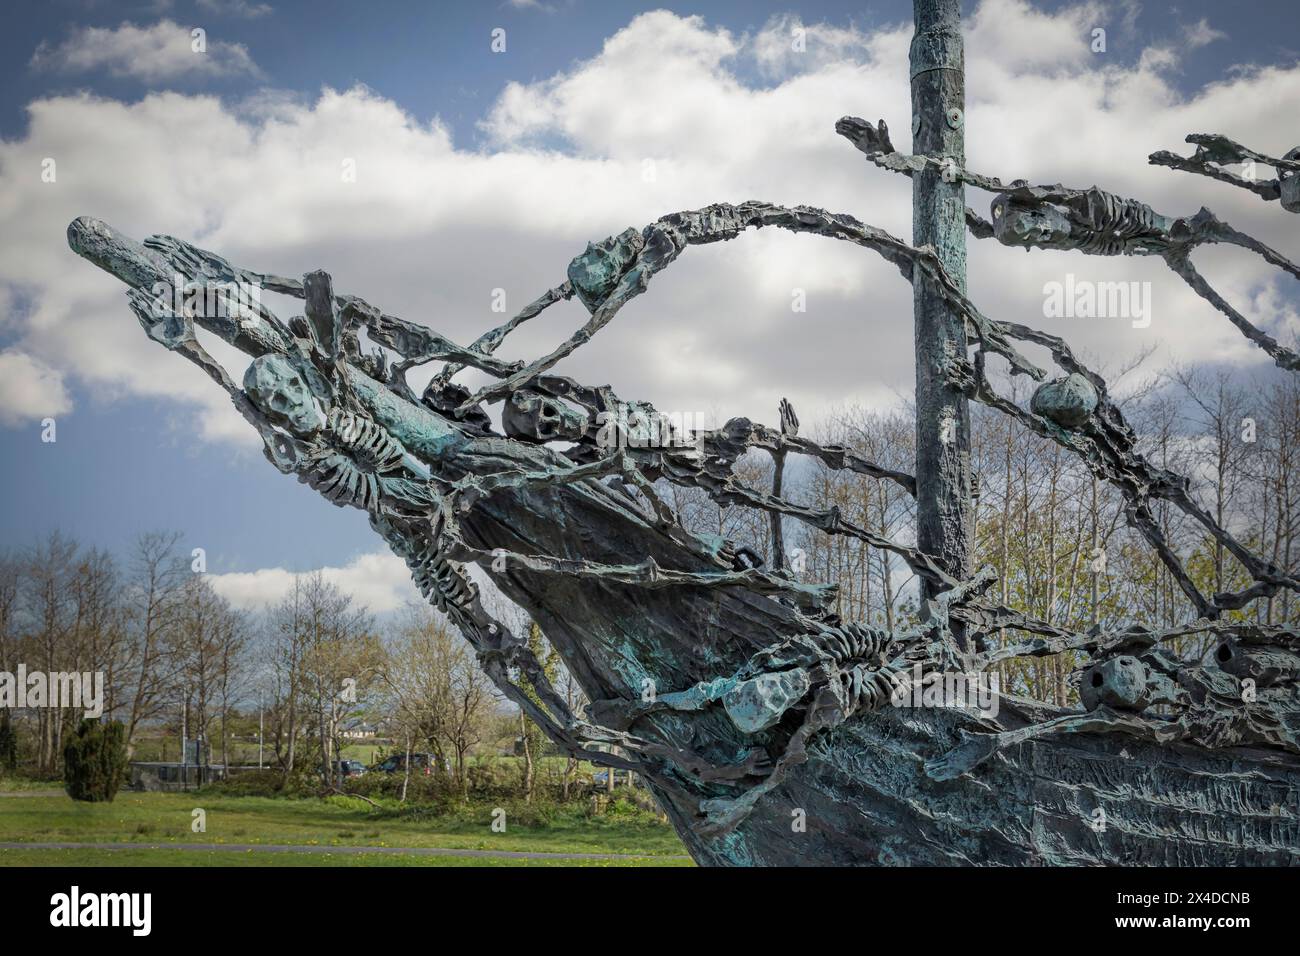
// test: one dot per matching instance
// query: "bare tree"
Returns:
(152, 598)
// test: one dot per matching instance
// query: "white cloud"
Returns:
(428, 230)
(378, 581)
(786, 45)
(1011, 37)
(1201, 33)
(236, 8)
(530, 5)
(29, 389)
(157, 53)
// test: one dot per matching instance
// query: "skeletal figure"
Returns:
(848, 660)
(346, 454)
(347, 467)
(1288, 185)
(528, 416)
(1090, 220)
(797, 686)
(280, 392)
(1214, 151)
(596, 272)
(441, 581)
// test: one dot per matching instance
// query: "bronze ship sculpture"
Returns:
(771, 731)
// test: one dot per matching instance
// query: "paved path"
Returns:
(296, 848)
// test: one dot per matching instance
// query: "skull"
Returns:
(1021, 224)
(595, 273)
(279, 391)
(531, 417)
(1120, 682)
(761, 701)
(1289, 184)
(1264, 665)
(1069, 401)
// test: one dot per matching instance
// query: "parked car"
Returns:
(425, 763)
(600, 779)
(349, 768)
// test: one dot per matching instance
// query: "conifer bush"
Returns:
(94, 761)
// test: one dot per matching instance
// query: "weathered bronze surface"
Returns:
(765, 725)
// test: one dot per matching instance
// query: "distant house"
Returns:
(361, 732)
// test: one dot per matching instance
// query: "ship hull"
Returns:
(863, 797)
(1084, 800)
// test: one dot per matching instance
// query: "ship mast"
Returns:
(944, 514)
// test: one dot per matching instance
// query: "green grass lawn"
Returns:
(363, 752)
(244, 753)
(19, 784)
(336, 821)
(145, 856)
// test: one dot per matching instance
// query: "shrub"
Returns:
(250, 783)
(94, 761)
(436, 791)
(490, 778)
(8, 744)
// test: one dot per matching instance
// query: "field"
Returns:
(148, 856)
(308, 831)
(243, 752)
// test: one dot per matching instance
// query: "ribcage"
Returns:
(439, 580)
(347, 466)
(1114, 222)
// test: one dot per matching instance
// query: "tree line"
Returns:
(1056, 535)
(316, 665)
(302, 677)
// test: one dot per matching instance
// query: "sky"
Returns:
(479, 169)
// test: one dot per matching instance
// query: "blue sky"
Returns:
(433, 57)
(132, 455)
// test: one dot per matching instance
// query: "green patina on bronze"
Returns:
(771, 731)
